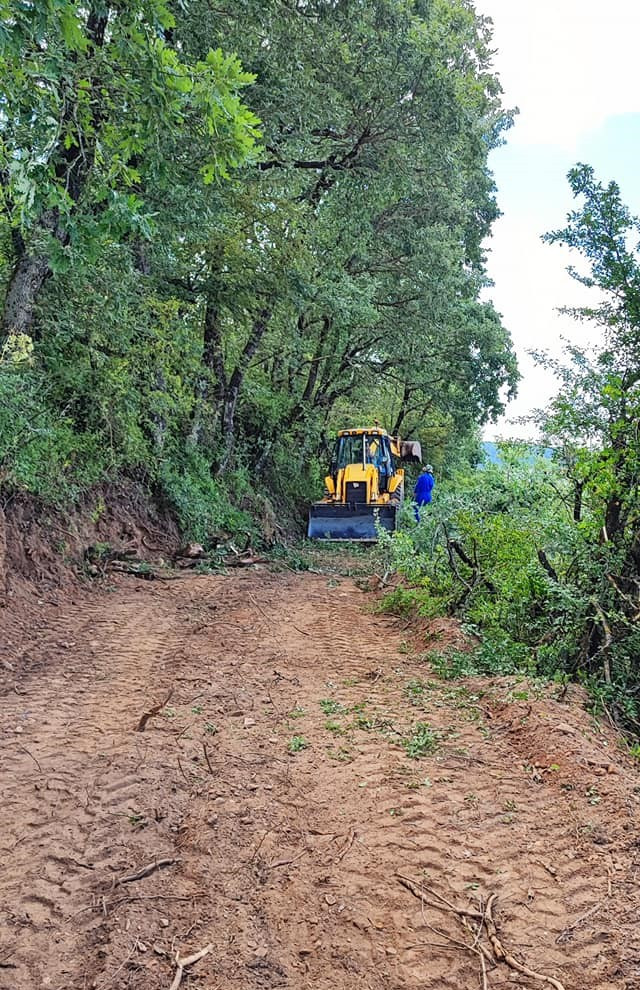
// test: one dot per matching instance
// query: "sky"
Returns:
(570, 67)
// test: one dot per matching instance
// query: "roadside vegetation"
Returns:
(540, 556)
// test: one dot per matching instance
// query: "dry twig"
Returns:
(183, 963)
(566, 932)
(140, 727)
(418, 890)
(287, 862)
(502, 955)
(347, 846)
(206, 756)
(29, 753)
(147, 870)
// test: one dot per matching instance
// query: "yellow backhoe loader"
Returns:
(364, 487)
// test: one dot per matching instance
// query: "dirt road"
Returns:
(306, 757)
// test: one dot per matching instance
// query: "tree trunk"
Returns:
(301, 408)
(212, 383)
(578, 488)
(72, 165)
(402, 412)
(232, 391)
(159, 423)
(28, 278)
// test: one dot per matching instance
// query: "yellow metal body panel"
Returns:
(360, 475)
(396, 480)
(367, 475)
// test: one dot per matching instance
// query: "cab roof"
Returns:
(372, 431)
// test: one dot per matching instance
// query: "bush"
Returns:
(203, 505)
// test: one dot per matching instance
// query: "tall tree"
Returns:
(378, 153)
(594, 419)
(89, 94)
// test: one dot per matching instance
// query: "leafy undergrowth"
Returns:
(532, 588)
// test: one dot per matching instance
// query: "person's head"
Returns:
(427, 469)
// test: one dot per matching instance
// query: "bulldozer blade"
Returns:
(330, 521)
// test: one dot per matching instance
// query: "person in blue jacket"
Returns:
(423, 489)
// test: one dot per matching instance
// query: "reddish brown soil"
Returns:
(44, 550)
(286, 862)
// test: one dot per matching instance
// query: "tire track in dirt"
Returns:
(288, 860)
(68, 780)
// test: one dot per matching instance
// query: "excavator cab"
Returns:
(364, 488)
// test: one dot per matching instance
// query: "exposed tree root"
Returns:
(487, 926)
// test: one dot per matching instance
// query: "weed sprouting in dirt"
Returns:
(341, 755)
(422, 741)
(331, 707)
(297, 712)
(297, 744)
(137, 820)
(336, 727)
(415, 691)
(210, 728)
(373, 723)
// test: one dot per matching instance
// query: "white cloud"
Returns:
(567, 64)
(531, 284)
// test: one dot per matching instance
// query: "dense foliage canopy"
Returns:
(224, 232)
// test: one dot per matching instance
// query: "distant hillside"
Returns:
(492, 452)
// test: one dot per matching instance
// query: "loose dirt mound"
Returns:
(302, 762)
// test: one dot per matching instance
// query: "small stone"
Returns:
(141, 946)
(390, 951)
(159, 951)
(249, 722)
(612, 768)
(261, 952)
(19, 729)
(164, 922)
(329, 899)
(567, 729)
